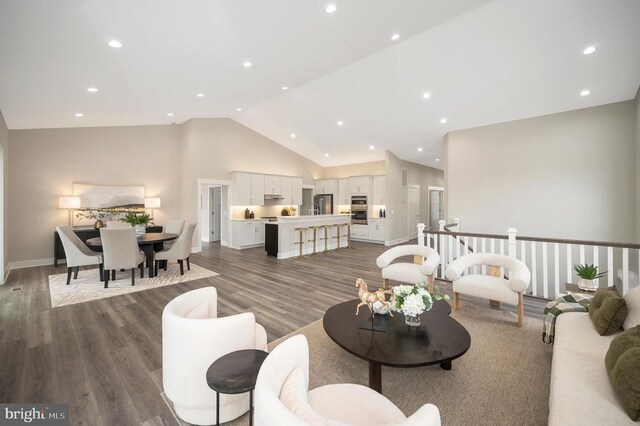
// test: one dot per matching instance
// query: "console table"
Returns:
(84, 233)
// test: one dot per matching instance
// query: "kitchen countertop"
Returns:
(250, 220)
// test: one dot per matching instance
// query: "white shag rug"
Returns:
(89, 287)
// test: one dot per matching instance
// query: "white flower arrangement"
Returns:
(413, 300)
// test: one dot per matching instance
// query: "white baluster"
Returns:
(545, 286)
(513, 247)
(475, 250)
(569, 265)
(502, 247)
(625, 270)
(443, 255)
(450, 249)
(595, 258)
(534, 282)
(493, 245)
(610, 266)
(582, 254)
(484, 250)
(556, 268)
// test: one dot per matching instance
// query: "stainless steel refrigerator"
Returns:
(323, 204)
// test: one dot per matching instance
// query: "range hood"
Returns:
(273, 197)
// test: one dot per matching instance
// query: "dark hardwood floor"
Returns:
(104, 357)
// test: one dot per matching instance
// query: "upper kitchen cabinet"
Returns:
(379, 184)
(327, 186)
(257, 190)
(344, 193)
(287, 190)
(272, 184)
(296, 191)
(360, 184)
(241, 189)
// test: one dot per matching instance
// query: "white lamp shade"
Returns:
(152, 203)
(69, 202)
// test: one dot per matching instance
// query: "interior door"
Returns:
(216, 213)
(436, 198)
(413, 211)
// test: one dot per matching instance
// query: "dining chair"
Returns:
(180, 250)
(77, 252)
(117, 224)
(120, 251)
(174, 226)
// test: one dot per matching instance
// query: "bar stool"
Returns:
(315, 235)
(325, 238)
(348, 225)
(337, 226)
(301, 241)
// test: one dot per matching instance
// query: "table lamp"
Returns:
(152, 203)
(69, 203)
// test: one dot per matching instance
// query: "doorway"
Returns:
(215, 216)
(211, 194)
(2, 271)
(413, 210)
(307, 202)
(436, 206)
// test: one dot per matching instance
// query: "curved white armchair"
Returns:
(497, 288)
(282, 397)
(411, 273)
(192, 339)
(77, 252)
(180, 250)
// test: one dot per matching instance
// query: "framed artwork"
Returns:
(106, 202)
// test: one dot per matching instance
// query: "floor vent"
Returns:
(16, 288)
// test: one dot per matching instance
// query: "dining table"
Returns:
(149, 243)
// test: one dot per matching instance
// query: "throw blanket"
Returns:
(575, 302)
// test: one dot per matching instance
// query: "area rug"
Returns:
(88, 286)
(502, 380)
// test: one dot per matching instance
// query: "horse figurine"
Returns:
(369, 298)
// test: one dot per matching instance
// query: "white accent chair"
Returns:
(77, 252)
(192, 339)
(282, 397)
(180, 250)
(410, 273)
(510, 291)
(120, 251)
(117, 224)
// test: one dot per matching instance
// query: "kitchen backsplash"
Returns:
(237, 212)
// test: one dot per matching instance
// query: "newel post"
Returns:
(421, 234)
(512, 232)
(441, 224)
(457, 222)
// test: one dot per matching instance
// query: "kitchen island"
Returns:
(283, 235)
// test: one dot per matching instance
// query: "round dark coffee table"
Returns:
(234, 373)
(439, 340)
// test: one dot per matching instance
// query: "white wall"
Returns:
(567, 175)
(637, 106)
(4, 216)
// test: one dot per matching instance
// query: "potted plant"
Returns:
(413, 300)
(139, 220)
(589, 276)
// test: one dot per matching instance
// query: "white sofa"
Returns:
(192, 338)
(581, 393)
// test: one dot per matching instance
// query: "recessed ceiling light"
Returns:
(426, 95)
(92, 90)
(293, 135)
(247, 64)
(239, 109)
(200, 95)
(326, 155)
(285, 88)
(331, 8)
(395, 36)
(340, 123)
(79, 114)
(443, 120)
(114, 43)
(437, 159)
(585, 92)
(589, 50)
(419, 149)
(170, 114)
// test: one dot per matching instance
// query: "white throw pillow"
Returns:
(294, 396)
(633, 305)
(201, 311)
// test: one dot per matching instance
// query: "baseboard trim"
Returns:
(30, 263)
(396, 241)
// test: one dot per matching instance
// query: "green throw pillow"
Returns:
(608, 311)
(623, 365)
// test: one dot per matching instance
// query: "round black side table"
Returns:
(234, 373)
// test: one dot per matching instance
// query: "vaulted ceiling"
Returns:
(480, 62)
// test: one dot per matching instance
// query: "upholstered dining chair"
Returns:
(493, 287)
(283, 398)
(174, 226)
(180, 250)
(77, 252)
(193, 337)
(425, 263)
(117, 224)
(120, 251)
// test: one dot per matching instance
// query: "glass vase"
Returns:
(412, 321)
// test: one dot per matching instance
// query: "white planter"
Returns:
(588, 285)
(140, 230)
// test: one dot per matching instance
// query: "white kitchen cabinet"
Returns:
(287, 190)
(272, 184)
(327, 186)
(296, 191)
(360, 232)
(377, 229)
(241, 189)
(344, 193)
(257, 190)
(247, 233)
(379, 187)
(360, 184)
